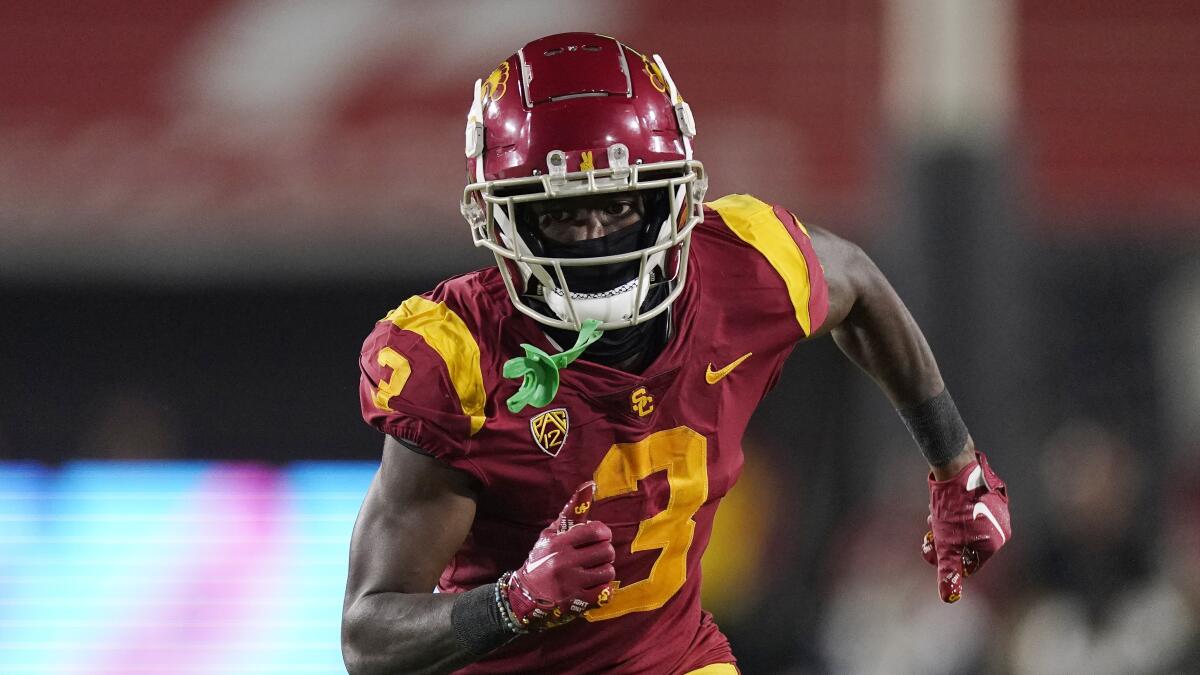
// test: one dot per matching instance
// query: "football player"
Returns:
(561, 428)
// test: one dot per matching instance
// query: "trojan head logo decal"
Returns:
(495, 86)
(655, 74)
(550, 430)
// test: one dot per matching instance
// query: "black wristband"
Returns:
(476, 620)
(937, 428)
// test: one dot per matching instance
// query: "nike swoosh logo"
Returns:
(980, 507)
(538, 563)
(714, 376)
(975, 480)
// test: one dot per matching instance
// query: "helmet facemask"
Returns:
(564, 290)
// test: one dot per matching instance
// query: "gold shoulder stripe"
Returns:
(445, 333)
(754, 222)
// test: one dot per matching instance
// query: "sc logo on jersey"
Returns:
(549, 430)
(642, 403)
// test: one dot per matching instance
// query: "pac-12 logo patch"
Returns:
(550, 430)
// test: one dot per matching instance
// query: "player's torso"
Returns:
(663, 446)
(671, 434)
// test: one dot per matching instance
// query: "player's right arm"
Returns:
(422, 386)
(415, 516)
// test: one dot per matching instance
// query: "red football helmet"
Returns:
(580, 114)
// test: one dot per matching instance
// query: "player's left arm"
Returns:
(875, 330)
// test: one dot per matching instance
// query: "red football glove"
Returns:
(969, 517)
(568, 570)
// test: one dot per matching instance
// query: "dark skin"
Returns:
(418, 511)
(873, 328)
(591, 217)
(415, 516)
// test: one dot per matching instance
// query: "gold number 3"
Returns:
(390, 358)
(683, 453)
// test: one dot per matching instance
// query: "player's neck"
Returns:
(631, 350)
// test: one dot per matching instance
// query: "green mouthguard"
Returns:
(539, 370)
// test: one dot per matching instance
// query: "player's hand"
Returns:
(968, 516)
(569, 569)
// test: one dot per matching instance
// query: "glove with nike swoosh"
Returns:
(568, 571)
(968, 516)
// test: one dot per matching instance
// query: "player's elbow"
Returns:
(356, 651)
(352, 653)
(355, 663)
(367, 651)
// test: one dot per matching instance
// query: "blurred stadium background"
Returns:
(205, 204)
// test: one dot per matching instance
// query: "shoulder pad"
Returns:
(421, 376)
(780, 238)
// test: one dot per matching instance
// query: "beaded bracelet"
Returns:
(510, 620)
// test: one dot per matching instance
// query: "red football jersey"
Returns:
(663, 446)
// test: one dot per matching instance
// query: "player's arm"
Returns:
(874, 329)
(416, 514)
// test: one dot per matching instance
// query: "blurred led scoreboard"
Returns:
(194, 567)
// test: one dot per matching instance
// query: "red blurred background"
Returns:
(205, 204)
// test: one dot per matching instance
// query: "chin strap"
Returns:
(539, 370)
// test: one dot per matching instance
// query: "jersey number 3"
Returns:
(683, 453)
(401, 370)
